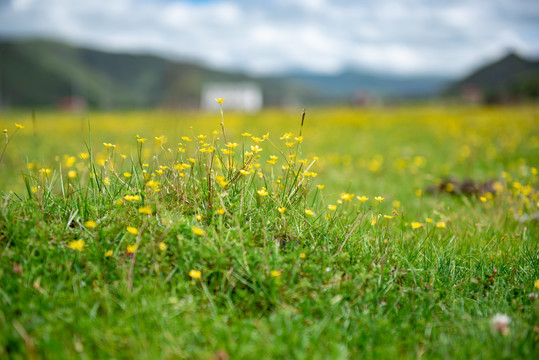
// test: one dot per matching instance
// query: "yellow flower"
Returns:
(76, 245)
(416, 225)
(19, 126)
(162, 246)
(90, 224)
(71, 174)
(145, 210)
(84, 156)
(320, 187)
(281, 209)
(132, 248)
(440, 224)
(374, 221)
(362, 198)
(220, 100)
(127, 175)
(108, 253)
(197, 231)
(109, 145)
(246, 134)
(332, 207)
(132, 230)
(70, 161)
(221, 211)
(483, 199)
(347, 196)
(428, 220)
(262, 192)
(379, 199)
(536, 284)
(198, 217)
(302, 256)
(309, 212)
(275, 273)
(418, 193)
(195, 274)
(255, 149)
(160, 140)
(388, 216)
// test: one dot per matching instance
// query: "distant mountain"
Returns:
(41, 73)
(510, 78)
(351, 82)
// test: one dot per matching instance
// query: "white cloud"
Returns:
(407, 36)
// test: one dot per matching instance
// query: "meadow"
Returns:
(397, 232)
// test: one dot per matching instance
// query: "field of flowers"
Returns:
(335, 233)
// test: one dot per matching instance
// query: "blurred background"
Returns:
(180, 54)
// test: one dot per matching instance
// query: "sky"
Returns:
(271, 37)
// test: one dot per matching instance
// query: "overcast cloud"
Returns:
(273, 36)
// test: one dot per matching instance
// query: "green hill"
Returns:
(39, 73)
(511, 78)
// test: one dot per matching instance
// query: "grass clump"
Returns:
(223, 246)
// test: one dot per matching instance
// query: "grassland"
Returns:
(165, 235)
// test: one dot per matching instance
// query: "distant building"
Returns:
(74, 104)
(241, 96)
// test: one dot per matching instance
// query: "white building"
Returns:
(241, 96)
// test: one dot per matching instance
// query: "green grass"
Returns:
(344, 283)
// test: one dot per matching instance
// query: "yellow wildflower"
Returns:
(440, 224)
(379, 199)
(145, 210)
(416, 225)
(332, 207)
(71, 174)
(162, 246)
(309, 212)
(198, 231)
(90, 224)
(275, 273)
(108, 253)
(362, 198)
(19, 126)
(132, 230)
(347, 196)
(195, 274)
(281, 209)
(131, 248)
(302, 255)
(262, 192)
(77, 245)
(127, 175)
(221, 211)
(220, 100)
